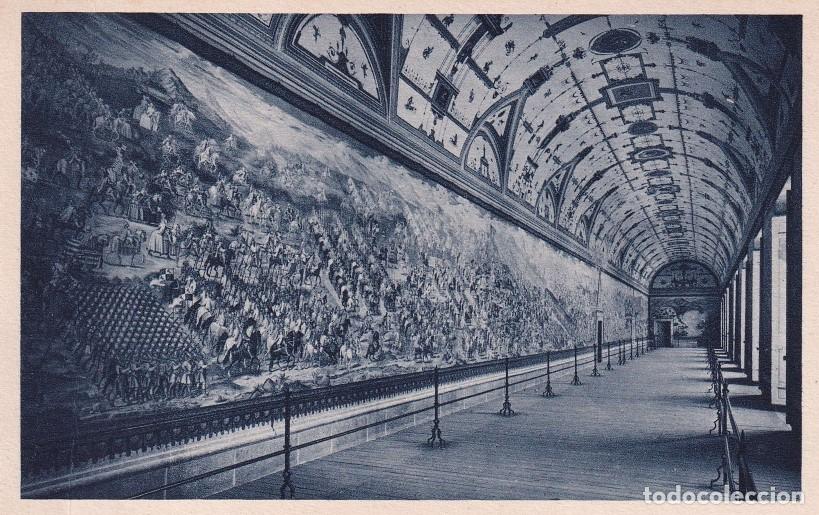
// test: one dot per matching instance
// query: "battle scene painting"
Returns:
(191, 240)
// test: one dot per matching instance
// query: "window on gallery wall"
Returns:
(264, 18)
(545, 204)
(481, 159)
(335, 42)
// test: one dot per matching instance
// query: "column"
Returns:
(779, 226)
(793, 329)
(731, 324)
(723, 321)
(738, 306)
(765, 311)
(756, 299)
(746, 310)
(742, 315)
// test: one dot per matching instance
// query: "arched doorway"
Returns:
(684, 305)
(663, 321)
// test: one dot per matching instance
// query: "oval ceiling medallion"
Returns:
(642, 127)
(615, 41)
(648, 154)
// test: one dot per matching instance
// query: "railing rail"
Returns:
(734, 461)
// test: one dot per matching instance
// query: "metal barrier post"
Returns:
(631, 349)
(724, 428)
(721, 471)
(576, 379)
(506, 410)
(436, 430)
(608, 357)
(717, 400)
(595, 372)
(621, 358)
(746, 479)
(548, 391)
(287, 484)
(637, 354)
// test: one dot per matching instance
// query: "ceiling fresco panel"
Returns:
(635, 123)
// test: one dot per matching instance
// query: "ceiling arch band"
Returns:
(648, 139)
(609, 102)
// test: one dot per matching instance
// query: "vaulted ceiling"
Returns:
(640, 140)
(646, 137)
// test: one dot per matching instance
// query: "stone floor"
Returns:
(641, 425)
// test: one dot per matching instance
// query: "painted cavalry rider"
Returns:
(329, 346)
(252, 338)
(374, 347)
(274, 342)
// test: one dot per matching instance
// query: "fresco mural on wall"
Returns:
(192, 240)
(684, 276)
(685, 292)
(695, 318)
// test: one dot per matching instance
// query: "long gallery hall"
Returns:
(395, 256)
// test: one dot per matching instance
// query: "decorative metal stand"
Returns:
(724, 409)
(718, 420)
(621, 357)
(716, 381)
(595, 372)
(720, 473)
(436, 429)
(548, 391)
(287, 484)
(506, 410)
(608, 357)
(576, 379)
